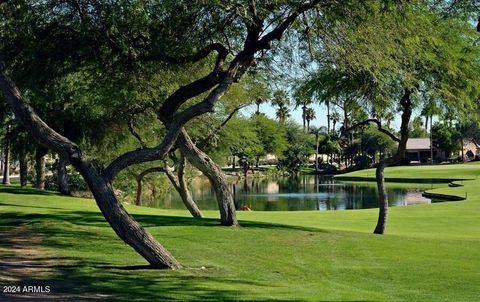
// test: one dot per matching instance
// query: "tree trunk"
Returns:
(138, 199)
(40, 170)
(127, 228)
(181, 186)
(382, 200)
(317, 143)
(328, 117)
(23, 171)
(463, 152)
(304, 116)
(178, 183)
(406, 104)
(6, 169)
(62, 175)
(212, 171)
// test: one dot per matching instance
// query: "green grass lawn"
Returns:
(431, 252)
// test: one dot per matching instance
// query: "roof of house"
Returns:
(466, 142)
(418, 144)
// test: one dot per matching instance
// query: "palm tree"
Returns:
(335, 117)
(282, 101)
(316, 131)
(309, 115)
(303, 102)
(282, 114)
(258, 102)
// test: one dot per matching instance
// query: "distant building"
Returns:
(471, 150)
(418, 150)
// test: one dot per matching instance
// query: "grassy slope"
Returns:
(431, 252)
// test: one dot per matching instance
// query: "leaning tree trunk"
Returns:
(23, 171)
(178, 183)
(40, 170)
(62, 175)
(129, 230)
(6, 169)
(181, 186)
(406, 104)
(212, 171)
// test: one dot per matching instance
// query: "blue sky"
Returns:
(296, 114)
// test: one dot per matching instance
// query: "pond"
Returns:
(304, 193)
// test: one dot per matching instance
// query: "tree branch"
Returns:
(277, 32)
(131, 128)
(379, 126)
(148, 171)
(45, 135)
(221, 50)
(184, 93)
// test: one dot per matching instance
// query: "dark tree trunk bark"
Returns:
(382, 200)
(205, 164)
(6, 169)
(40, 169)
(181, 186)
(62, 175)
(138, 199)
(128, 229)
(23, 171)
(406, 104)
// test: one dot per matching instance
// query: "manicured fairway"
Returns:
(430, 252)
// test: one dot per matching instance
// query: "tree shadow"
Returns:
(86, 218)
(12, 189)
(108, 283)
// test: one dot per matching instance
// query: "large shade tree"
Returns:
(122, 36)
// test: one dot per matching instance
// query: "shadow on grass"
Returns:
(77, 277)
(79, 283)
(13, 189)
(95, 219)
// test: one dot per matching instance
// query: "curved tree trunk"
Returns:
(212, 171)
(23, 171)
(62, 175)
(406, 104)
(40, 169)
(127, 228)
(123, 224)
(180, 185)
(6, 169)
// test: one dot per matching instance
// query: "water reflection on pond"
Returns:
(304, 193)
